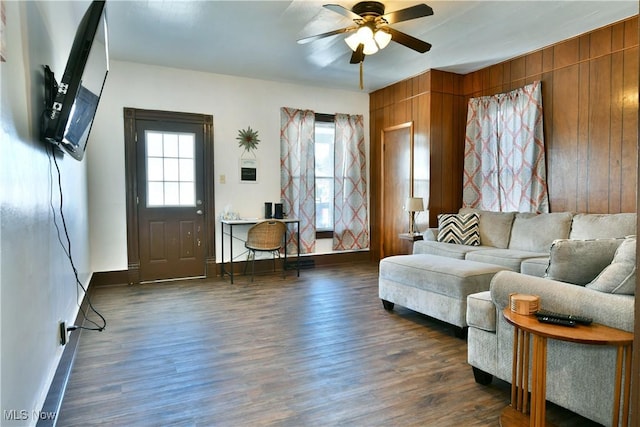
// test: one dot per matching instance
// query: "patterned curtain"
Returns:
(350, 229)
(297, 174)
(504, 161)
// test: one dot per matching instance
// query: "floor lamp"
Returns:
(414, 204)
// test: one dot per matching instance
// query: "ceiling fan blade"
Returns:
(328, 34)
(342, 11)
(413, 12)
(358, 55)
(409, 41)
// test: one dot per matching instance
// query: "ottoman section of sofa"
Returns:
(433, 285)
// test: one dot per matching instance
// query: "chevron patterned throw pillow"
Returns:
(462, 229)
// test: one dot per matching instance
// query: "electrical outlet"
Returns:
(64, 335)
(223, 179)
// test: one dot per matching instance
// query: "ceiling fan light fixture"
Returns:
(370, 47)
(365, 33)
(382, 38)
(353, 41)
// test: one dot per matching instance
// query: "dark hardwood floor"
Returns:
(318, 350)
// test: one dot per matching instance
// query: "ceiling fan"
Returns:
(372, 29)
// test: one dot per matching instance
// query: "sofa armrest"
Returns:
(613, 310)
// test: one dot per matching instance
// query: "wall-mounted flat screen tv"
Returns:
(72, 103)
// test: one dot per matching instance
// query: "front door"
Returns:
(170, 180)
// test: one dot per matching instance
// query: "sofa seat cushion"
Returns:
(535, 232)
(509, 258)
(449, 250)
(481, 313)
(601, 226)
(446, 276)
(535, 266)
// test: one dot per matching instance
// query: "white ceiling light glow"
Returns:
(372, 41)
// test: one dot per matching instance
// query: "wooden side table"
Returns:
(594, 334)
(412, 237)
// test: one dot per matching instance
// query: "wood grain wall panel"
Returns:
(533, 64)
(629, 130)
(518, 69)
(376, 122)
(548, 58)
(450, 151)
(600, 133)
(566, 53)
(631, 32)
(436, 81)
(617, 37)
(615, 147)
(444, 152)
(496, 75)
(421, 156)
(562, 141)
(583, 139)
(600, 42)
(437, 157)
(585, 47)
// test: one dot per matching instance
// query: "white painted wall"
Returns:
(37, 285)
(234, 102)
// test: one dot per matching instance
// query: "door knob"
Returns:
(199, 211)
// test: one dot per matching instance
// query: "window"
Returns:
(324, 154)
(170, 169)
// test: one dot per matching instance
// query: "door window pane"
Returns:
(170, 169)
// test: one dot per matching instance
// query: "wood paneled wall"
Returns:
(433, 102)
(590, 102)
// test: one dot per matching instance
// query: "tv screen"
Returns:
(73, 102)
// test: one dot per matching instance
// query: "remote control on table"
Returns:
(577, 319)
(556, 321)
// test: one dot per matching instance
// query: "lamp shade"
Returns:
(353, 41)
(382, 38)
(370, 47)
(415, 204)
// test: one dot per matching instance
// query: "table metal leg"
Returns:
(231, 252)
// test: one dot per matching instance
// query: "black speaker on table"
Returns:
(267, 210)
(279, 214)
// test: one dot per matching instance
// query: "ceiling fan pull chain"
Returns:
(361, 79)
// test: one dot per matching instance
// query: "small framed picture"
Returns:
(249, 171)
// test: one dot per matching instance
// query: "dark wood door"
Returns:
(170, 199)
(397, 186)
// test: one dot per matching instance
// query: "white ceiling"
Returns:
(257, 39)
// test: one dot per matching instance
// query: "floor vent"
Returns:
(305, 264)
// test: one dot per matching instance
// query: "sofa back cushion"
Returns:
(580, 261)
(535, 232)
(601, 226)
(495, 227)
(619, 277)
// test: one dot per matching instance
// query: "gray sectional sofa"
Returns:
(564, 258)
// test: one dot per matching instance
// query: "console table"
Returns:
(227, 226)
(594, 334)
